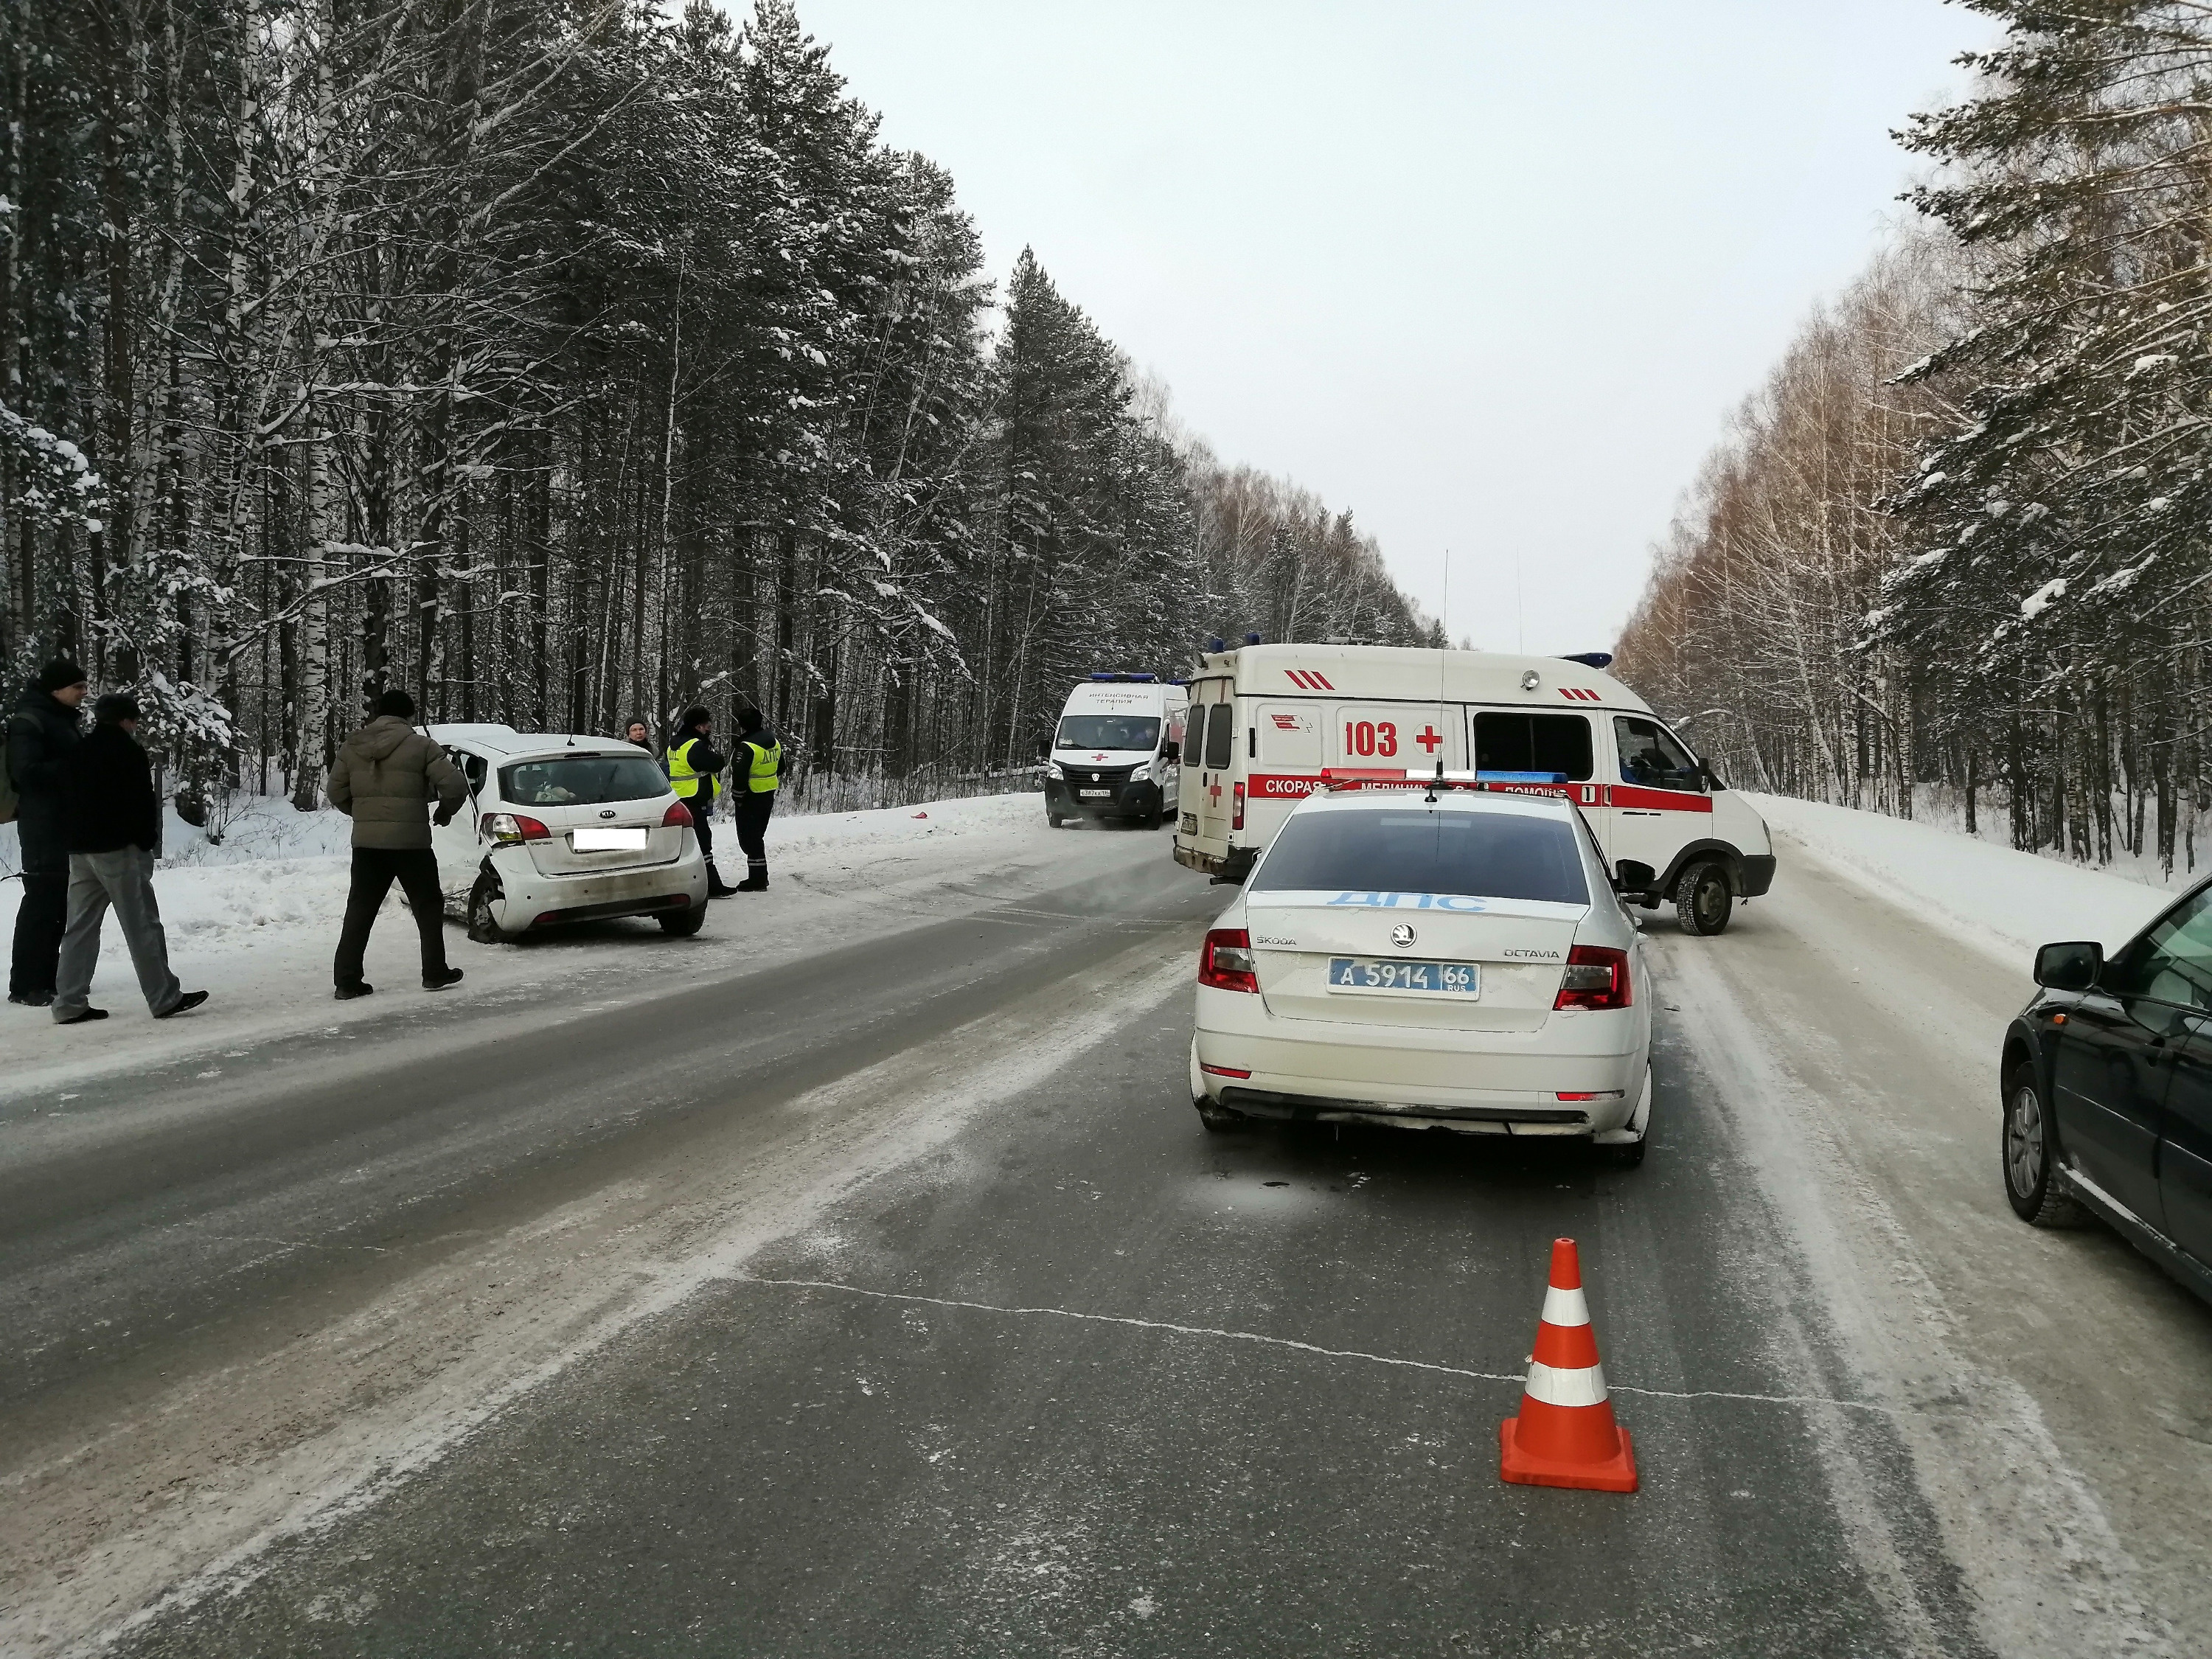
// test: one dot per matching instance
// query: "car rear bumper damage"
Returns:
(529, 900)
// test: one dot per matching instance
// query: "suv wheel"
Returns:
(1219, 1119)
(2031, 1155)
(483, 927)
(1704, 899)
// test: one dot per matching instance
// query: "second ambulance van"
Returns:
(1272, 723)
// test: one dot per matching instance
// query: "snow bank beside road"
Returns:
(258, 932)
(2002, 901)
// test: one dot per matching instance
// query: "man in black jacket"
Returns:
(112, 819)
(42, 739)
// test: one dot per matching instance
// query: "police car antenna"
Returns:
(1443, 626)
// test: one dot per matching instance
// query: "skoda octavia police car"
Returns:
(1450, 958)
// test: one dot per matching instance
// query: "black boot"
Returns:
(756, 879)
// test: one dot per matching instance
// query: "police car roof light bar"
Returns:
(1140, 679)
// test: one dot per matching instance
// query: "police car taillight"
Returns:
(509, 828)
(1596, 977)
(1226, 962)
(677, 817)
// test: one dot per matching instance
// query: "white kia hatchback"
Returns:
(561, 829)
(1438, 959)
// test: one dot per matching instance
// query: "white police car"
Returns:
(1440, 958)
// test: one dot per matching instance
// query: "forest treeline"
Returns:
(1957, 546)
(562, 361)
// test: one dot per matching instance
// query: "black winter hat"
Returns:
(59, 675)
(114, 708)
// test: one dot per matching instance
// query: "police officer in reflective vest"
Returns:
(760, 767)
(695, 767)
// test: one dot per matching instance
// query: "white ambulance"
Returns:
(1272, 723)
(1113, 755)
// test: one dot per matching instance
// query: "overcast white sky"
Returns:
(1491, 273)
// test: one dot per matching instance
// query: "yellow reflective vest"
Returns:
(767, 763)
(681, 776)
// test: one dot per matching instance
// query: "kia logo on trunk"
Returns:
(609, 813)
(1402, 936)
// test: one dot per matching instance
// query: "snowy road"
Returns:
(889, 1296)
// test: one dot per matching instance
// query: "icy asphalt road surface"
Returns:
(895, 1300)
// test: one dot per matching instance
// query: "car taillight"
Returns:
(1238, 822)
(677, 817)
(1596, 977)
(1226, 963)
(511, 827)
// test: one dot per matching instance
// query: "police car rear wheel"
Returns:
(1704, 899)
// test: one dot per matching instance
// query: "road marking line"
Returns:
(1514, 1377)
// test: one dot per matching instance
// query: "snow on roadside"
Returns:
(258, 932)
(2000, 900)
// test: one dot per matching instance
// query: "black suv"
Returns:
(2108, 1090)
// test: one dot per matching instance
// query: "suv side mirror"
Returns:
(2069, 967)
(1633, 875)
(1170, 752)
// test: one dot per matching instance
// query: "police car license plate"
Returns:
(608, 841)
(1095, 794)
(1404, 978)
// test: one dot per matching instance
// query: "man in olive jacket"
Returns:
(383, 778)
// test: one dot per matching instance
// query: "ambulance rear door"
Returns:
(1209, 754)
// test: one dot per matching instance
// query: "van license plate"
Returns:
(1189, 823)
(1402, 978)
(608, 841)
(1095, 794)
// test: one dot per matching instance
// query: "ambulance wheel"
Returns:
(1219, 1120)
(1153, 820)
(1704, 899)
(484, 928)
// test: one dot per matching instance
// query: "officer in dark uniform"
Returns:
(695, 768)
(760, 769)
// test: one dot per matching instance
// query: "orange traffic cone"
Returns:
(1565, 1434)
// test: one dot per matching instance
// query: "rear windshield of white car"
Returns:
(581, 781)
(1483, 854)
(1108, 732)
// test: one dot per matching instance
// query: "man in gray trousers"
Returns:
(113, 822)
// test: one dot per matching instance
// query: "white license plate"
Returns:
(1389, 978)
(1095, 794)
(1190, 824)
(608, 841)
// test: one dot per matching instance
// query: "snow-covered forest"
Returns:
(1957, 546)
(560, 363)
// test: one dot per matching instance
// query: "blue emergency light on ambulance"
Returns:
(1271, 725)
